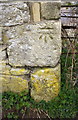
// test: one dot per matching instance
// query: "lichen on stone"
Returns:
(19, 71)
(14, 83)
(45, 84)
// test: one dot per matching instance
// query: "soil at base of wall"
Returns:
(31, 114)
(28, 113)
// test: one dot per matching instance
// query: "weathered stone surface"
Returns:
(13, 83)
(0, 35)
(45, 83)
(2, 48)
(12, 33)
(4, 69)
(50, 10)
(2, 55)
(38, 45)
(19, 71)
(7, 70)
(3, 60)
(14, 13)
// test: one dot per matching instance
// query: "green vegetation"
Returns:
(63, 106)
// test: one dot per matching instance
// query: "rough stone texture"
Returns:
(2, 55)
(50, 10)
(14, 13)
(14, 83)
(0, 35)
(38, 45)
(45, 83)
(7, 70)
(19, 71)
(3, 59)
(13, 33)
(2, 48)
(2, 64)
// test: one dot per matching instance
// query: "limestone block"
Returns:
(45, 83)
(13, 32)
(3, 60)
(36, 11)
(2, 48)
(4, 69)
(0, 35)
(50, 10)
(13, 83)
(38, 45)
(7, 70)
(19, 71)
(14, 13)
(2, 55)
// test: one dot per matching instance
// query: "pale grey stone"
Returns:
(14, 13)
(38, 45)
(2, 55)
(12, 32)
(3, 58)
(0, 35)
(50, 10)
(2, 47)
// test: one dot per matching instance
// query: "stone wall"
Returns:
(30, 48)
